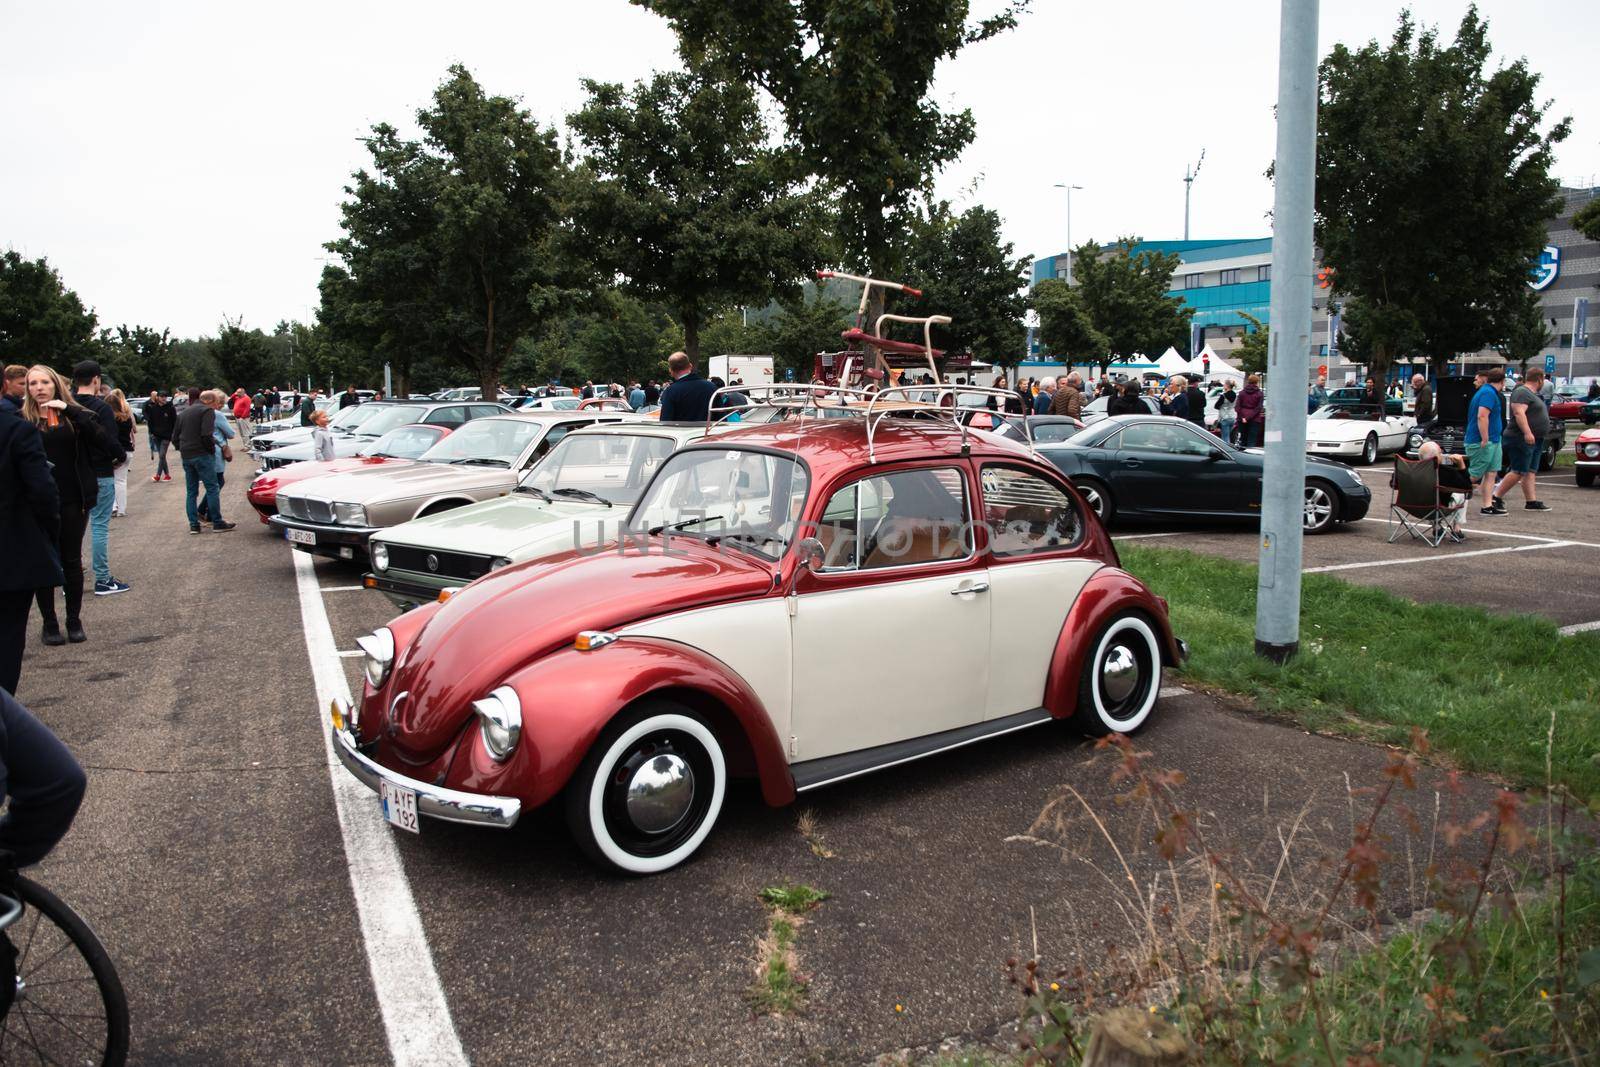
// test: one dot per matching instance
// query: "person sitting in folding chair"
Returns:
(1429, 496)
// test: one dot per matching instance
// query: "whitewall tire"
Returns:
(1120, 679)
(647, 795)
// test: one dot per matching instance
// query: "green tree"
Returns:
(1433, 188)
(41, 320)
(138, 359)
(453, 244)
(680, 196)
(1587, 220)
(854, 80)
(1251, 355)
(1066, 329)
(244, 357)
(1118, 307)
(1524, 333)
(802, 327)
(618, 341)
(967, 271)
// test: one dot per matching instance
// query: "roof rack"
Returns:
(938, 408)
(807, 397)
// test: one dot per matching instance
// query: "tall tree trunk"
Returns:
(691, 335)
(489, 369)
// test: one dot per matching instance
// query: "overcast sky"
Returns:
(182, 161)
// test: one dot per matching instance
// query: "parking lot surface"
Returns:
(257, 919)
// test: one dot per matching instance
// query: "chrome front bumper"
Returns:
(451, 805)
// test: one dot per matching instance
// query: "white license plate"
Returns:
(300, 537)
(399, 805)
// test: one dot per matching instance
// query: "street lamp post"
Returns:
(1069, 188)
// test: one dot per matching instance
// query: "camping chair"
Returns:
(1418, 504)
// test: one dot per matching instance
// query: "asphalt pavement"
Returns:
(210, 858)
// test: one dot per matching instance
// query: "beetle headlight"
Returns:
(379, 649)
(500, 716)
(380, 555)
(350, 514)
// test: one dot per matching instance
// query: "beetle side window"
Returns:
(897, 520)
(1026, 514)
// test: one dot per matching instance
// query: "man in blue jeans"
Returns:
(196, 424)
(104, 460)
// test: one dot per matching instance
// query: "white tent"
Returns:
(1171, 363)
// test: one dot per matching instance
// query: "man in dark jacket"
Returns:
(348, 399)
(30, 516)
(688, 398)
(1196, 405)
(196, 425)
(104, 461)
(160, 421)
(1423, 395)
(308, 407)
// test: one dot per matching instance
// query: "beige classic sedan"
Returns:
(333, 515)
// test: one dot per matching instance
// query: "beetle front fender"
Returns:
(1108, 593)
(569, 697)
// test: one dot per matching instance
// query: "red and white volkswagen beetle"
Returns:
(736, 627)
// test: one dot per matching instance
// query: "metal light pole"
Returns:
(1069, 188)
(1283, 489)
(1189, 175)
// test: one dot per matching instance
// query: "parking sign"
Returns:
(1550, 363)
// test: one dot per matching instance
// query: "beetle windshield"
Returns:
(746, 498)
(611, 467)
(488, 442)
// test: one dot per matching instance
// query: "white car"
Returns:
(575, 496)
(1359, 433)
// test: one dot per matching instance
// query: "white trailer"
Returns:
(750, 370)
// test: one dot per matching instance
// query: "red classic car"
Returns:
(1588, 453)
(401, 445)
(798, 604)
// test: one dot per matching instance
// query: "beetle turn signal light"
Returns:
(589, 640)
(446, 594)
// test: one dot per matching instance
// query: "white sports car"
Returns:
(1359, 433)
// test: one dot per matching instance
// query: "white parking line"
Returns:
(1579, 628)
(1479, 531)
(416, 1018)
(1437, 558)
(1135, 537)
(350, 653)
(342, 588)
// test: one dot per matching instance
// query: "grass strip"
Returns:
(780, 988)
(1373, 665)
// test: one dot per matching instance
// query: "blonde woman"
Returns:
(126, 432)
(71, 436)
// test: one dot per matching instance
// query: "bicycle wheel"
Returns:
(69, 1006)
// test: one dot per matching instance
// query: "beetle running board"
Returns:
(812, 774)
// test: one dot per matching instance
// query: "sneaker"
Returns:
(1536, 505)
(1500, 503)
(195, 529)
(223, 527)
(108, 588)
(1491, 511)
(166, 477)
(155, 477)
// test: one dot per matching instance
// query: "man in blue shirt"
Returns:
(1485, 421)
(1045, 401)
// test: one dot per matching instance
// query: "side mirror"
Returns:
(811, 554)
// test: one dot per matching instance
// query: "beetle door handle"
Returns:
(1132, 463)
(974, 587)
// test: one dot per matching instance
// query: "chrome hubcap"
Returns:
(1092, 498)
(1119, 674)
(1318, 508)
(659, 793)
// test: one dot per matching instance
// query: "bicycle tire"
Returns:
(70, 925)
